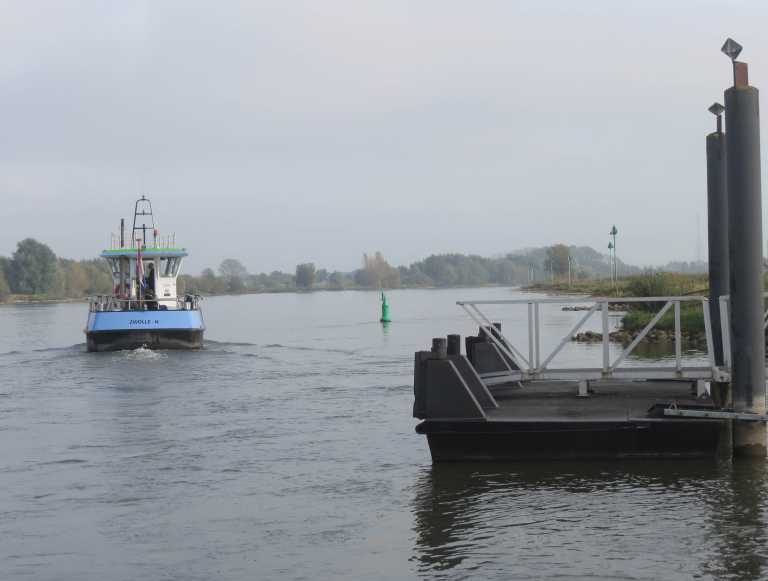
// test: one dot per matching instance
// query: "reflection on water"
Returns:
(669, 520)
(738, 523)
(666, 350)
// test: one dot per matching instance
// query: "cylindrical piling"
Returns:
(486, 331)
(454, 344)
(717, 220)
(439, 347)
(746, 265)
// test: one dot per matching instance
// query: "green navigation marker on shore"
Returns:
(384, 309)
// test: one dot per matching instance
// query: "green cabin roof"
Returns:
(147, 252)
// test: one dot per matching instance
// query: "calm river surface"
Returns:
(286, 450)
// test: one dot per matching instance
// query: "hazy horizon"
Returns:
(279, 133)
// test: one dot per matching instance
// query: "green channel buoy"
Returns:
(384, 309)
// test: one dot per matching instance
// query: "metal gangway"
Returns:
(533, 363)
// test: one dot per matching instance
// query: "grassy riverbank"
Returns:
(648, 284)
(691, 319)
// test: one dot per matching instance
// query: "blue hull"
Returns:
(116, 330)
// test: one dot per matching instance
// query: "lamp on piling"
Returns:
(731, 48)
(717, 110)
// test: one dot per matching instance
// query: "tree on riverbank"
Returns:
(377, 273)
(465, 270)
(5, 288)
(32, 268)
(305, 275)
(80, 278)
(234, 274)
(35, 270)
(558, 257)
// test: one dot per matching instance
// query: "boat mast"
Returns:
(143, 208)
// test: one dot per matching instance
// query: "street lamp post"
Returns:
(613, 233)
(610, 259)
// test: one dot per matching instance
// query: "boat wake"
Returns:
(235, 348)
(216, 344)
(142, 353)
(305, 348)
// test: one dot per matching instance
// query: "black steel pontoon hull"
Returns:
(452, 441)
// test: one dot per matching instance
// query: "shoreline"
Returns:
(29, 300)
(25, 300)
(661, 334)
(590, 289)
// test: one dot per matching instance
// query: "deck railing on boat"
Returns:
(162, 242)
(101, 303)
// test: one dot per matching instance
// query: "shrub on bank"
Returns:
(691, 319)
(654, 283)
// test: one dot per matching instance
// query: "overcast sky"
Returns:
(283, 132)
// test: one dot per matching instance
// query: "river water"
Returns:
(286, 450)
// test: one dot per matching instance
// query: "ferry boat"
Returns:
(144, 309)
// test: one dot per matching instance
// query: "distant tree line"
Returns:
(233, 278)
(683, 267)
(437, 270)
(34, 269)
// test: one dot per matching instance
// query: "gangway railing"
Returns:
(725, 326)
(536, 364)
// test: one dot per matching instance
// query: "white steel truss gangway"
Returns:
(536, 364)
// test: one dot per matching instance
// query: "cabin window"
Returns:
(114, 265)
(169, 266)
